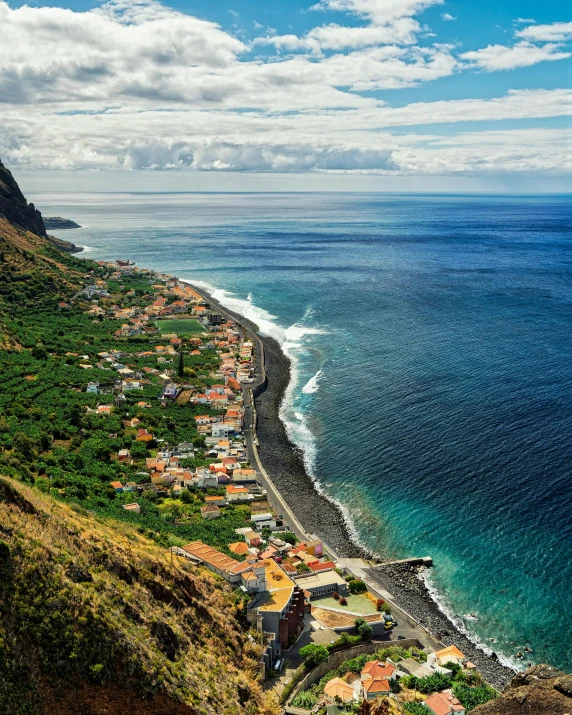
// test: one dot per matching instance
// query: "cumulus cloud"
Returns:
(556, 32)
(523, 54)
(136, 85)
(446, 17)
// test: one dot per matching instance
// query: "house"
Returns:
(261, 521)
(376, 677)
(423, 670)
(444, 703)
(252, 538)
(234, 494)
(336, 690)
(249, 577)
(143, 435)
(451, 654)
(117, 486)
(135, 508)
(124, 455)
(210, 511)
(104, 410)
(93, 388)
(217, 500)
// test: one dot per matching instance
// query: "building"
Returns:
(262, 521)
(240, 548)
(117, 486)
(234, 494)
(336, 690)
(323, 583)
(280, 608)
(210, 511)
(444, 703)
(249, 577)
(451, 654)
(93, 388)
(376, 677)
(135, 508)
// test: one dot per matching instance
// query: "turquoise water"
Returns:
(431, 340)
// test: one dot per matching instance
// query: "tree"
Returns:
(365, 631)
(314, 654)
(186, 497)
(289, 538)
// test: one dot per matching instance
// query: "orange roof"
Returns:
(376, 685)
(209, 509)
(231, 489)
(377, 669)
(451, 650)
(338, 688)
(443, 704)
(239, 547)
(211, 556)
(116, 485)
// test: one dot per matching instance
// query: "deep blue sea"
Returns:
(432, 344)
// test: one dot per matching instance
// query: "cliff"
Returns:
(540, 690)
(14, 207)
(95, 619)
(55, 223)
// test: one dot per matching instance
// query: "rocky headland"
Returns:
(57, 223)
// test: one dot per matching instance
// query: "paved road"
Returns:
(250, 439)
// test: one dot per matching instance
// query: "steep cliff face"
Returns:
(95, 619)
(14, 207)
(540, 690)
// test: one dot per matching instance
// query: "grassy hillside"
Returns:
(91, 603)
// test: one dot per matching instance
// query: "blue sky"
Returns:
(396, 90)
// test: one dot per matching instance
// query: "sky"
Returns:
(335, 94)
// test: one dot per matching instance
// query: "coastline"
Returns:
(284, 464)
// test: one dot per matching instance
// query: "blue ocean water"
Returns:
(432, 393)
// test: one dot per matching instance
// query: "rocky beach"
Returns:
(284, 463)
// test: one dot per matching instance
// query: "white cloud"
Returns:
(523, 54)
(378, 11)
(133, 84)
(556, 32)
(446, 17)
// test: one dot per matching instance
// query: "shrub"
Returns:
(336, 595)
(356, 586)
(343, 601)
(416, 708)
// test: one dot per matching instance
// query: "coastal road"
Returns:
(275, 499)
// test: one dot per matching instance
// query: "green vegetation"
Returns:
(180, 327)
(416, 709)
(314, 654)
(94, 602)
(470, 697)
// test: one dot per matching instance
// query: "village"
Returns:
(306, 605)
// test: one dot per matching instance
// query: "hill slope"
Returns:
(95, 606)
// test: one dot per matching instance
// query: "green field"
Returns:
(180, 326)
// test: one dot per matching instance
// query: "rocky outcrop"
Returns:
(15, 208)
(57, 223)
(540, 690)
(63, 245)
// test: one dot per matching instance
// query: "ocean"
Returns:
(431, 340)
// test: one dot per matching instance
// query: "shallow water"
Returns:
(431, 341)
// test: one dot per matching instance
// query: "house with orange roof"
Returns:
(444, 703)
(117, 486)
(337, 690)
(234, 494)
(451, 654)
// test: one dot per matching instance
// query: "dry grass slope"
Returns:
(94, 619)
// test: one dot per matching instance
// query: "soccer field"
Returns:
(180, 326)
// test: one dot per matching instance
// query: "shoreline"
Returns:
(284, 463)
